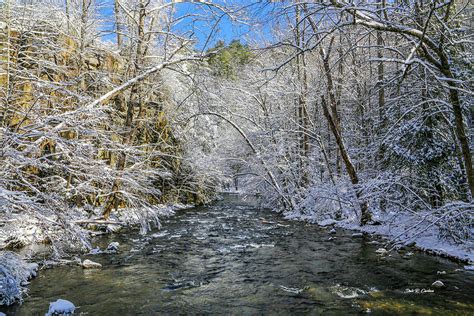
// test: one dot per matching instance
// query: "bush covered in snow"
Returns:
(14, 275)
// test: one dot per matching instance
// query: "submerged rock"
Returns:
(438, 284)
(178, 285)
(61, 307)
(89, 264)
(293, 290)
(347, 292)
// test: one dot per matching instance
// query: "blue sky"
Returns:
(203, 20)
(213, 23)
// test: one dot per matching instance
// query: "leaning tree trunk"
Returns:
(334, 123)
(364, 207)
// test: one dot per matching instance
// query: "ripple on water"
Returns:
(231, 258)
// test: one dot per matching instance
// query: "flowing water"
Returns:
(233, 258)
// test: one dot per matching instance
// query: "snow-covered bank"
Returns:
(14, 276)
(22, 232)
(415, 229)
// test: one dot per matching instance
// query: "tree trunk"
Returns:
(118, 28)
(364, 208)
(302, 102)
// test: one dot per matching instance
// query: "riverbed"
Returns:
(232, 257)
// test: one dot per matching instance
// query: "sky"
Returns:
(203, 20)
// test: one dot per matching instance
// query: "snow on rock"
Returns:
(89, 264)
(438, 284)
(381, 251)
(14, 273)
(95, 251)
(113, 247)
(61, 307)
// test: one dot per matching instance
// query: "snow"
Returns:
(61, 307)
(89, 264)
(14, 274)
(24, 230)
(327, 222)
(113, 247)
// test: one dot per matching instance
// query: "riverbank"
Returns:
(24, 248)
(418, 230)
(19, 230)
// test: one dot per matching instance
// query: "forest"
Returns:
(117, 115)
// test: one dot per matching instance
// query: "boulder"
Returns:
(381, 251)
(113, 247)
(438, 284)
(89, 264)
(61, 307)
(95, 251)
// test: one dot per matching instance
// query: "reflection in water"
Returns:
(231, 258)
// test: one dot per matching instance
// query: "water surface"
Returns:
(233, 258)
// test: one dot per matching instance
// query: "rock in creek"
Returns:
(89, 264)
(61, 307)
(113, 247)
(438, 284)
(381, 251)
